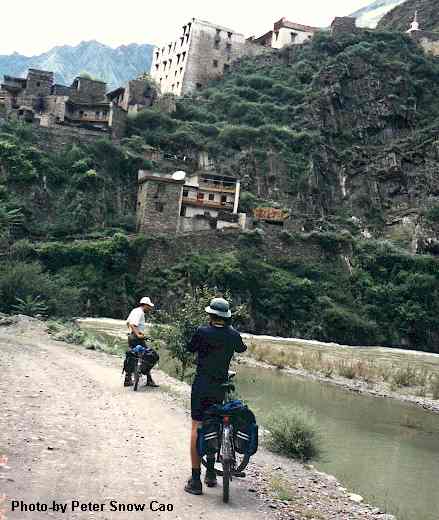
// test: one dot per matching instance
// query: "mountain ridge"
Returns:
(115, 66)
(370, 15)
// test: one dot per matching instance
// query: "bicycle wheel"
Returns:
(227, 473)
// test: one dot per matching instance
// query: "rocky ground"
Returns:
(70, 431)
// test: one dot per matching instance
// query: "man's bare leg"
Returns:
(194, 485)
(195, 458)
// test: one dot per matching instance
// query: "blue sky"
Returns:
(48, 22)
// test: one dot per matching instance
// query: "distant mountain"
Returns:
(370, 15)
(400, 18)
(115, 66)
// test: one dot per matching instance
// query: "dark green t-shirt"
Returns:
(214, 347)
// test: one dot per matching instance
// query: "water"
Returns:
(382, 449)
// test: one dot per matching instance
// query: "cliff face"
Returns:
(400, 18)
(341, 132)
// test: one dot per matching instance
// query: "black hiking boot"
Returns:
(128, 380)
(194, 487)
(210, 478)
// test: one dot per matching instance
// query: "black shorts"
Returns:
(202, 399)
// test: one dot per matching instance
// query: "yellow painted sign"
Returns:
(273, 214)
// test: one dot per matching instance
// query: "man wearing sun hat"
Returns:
(136, 336)
(215, 344)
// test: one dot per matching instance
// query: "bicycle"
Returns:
(226, 454)
(146, 358)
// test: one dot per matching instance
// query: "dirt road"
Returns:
(72, 434)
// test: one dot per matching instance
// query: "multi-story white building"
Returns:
(202, 52)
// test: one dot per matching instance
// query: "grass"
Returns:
(293, 432)
(281, 488)
(422, 381)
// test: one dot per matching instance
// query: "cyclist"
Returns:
(136, 326)
(215, 345)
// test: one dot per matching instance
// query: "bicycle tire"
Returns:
(226, 480)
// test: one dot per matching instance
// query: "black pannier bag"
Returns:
(149, 359)
(209, 436)
(245, 432)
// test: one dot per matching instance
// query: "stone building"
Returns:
(203, 201)
(344, 25)
(202, 52)
(285, 33)
(83, 104)
(136, 95)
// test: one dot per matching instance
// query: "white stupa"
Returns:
(415, 24)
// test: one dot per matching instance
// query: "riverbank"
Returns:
(403, 375)
(410, 377)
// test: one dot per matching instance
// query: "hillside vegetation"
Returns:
(342, 133)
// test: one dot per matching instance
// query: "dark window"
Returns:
(183, 211)
(98, 114)
(226, 67)
(178, 58)
(223, 199)
(293, 36)
(169, 47)
(38, 84)
(187, 37)
(181, 70)
(215, 63)
(185, 193)
(211, 196)
(228, 47)
(184, 56)
(200, 196)
(157, 66)
(229, 34)
(159, 207)
(199, 86)
(276, 34)
(217, 44)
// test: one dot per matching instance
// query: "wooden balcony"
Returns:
(210, 204)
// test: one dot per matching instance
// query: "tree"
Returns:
(188, 317)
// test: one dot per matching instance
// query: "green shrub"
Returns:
(293, 432)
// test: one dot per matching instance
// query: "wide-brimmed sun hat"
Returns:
(220, 307)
